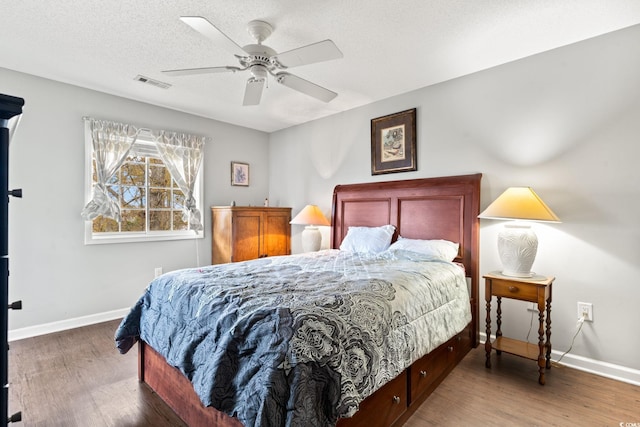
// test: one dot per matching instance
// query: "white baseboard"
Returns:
(63, 325)
(597, 367)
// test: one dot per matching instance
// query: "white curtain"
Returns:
(182, 155)
(111, 145)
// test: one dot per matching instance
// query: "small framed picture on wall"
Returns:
(393, 143)
(240, 174)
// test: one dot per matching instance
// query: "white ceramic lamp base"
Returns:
(517, 246)
(311, 239)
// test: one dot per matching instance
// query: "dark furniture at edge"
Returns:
(431, 208)
(10, 107)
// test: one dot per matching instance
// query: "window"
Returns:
(151, 203)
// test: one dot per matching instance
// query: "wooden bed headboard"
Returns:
(430, 208)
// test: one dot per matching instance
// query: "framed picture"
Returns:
(240, 174)
(393, 143)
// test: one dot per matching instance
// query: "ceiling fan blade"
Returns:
(317, 52)
(212, 32)
(253, 91)
(305, 86)
(205, 70)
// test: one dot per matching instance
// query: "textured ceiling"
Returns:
(389, 47)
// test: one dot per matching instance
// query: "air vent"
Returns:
(152, 82)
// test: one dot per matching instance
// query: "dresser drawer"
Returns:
(425, 372)
(463, 343)
(383, 408)
(521, 291)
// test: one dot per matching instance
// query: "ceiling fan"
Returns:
(261, 60)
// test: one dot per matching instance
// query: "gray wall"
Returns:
(52, 271)
(566, 123)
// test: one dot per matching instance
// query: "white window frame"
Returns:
(145, 143)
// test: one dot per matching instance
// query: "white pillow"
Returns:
(368, 239)
(440, 249)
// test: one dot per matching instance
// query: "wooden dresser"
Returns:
(241, 233)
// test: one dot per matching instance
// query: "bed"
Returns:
(321, 383)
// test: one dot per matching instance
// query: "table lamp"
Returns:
(312, 217)
(517, 243)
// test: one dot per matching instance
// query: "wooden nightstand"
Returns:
(536, 289)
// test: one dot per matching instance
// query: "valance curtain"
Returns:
(112, 143)
(182, 155)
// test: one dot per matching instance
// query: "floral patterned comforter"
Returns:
(298, 340)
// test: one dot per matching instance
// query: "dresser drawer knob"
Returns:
(450, 348)
(513, 289)
(396, 399)
(423, 374)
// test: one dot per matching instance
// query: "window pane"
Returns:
(133, 220)
(149, 198)
(159, 176)
(159, 220)
(158, 198)
(178, 199)
(105, 225)
(133, 197)
(132, 174)
(178, 223)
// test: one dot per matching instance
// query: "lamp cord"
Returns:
(530, 325)
(573, 340)
(580, 323)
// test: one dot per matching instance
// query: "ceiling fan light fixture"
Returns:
(259, 72)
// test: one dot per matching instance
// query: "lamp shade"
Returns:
(517, 242)
(521, 203)
(310, 215)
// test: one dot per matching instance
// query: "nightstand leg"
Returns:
(541, 343)
(487, 342)
(499, 322)
(548, 345)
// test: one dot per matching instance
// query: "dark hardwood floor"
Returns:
(77, 378)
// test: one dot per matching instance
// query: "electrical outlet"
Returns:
(158, 271)
(585, 310)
